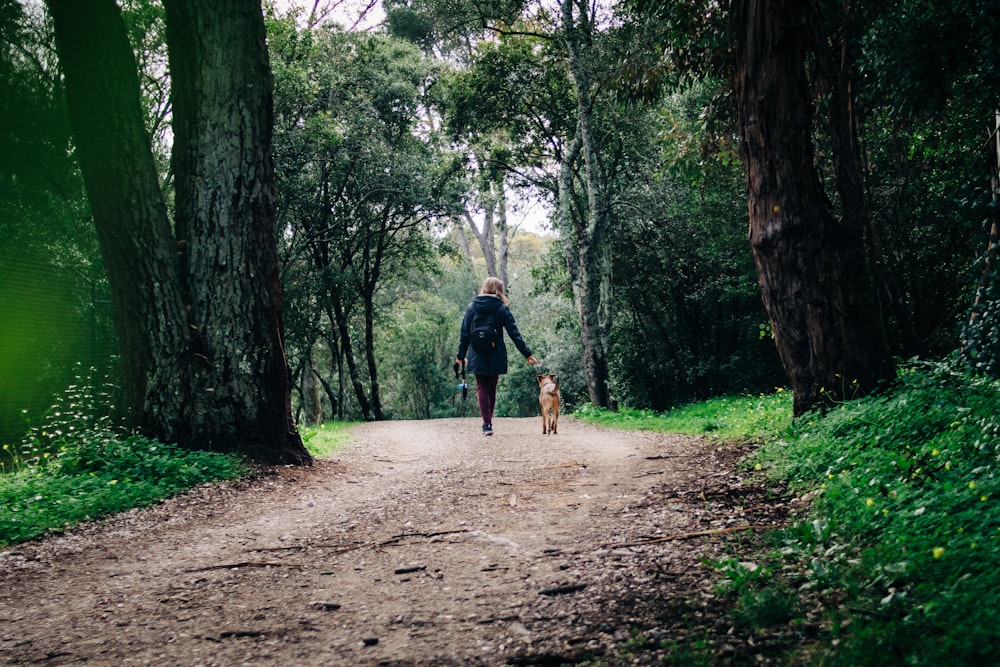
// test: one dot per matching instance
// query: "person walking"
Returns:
(482, 339)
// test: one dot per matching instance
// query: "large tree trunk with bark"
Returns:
(199, 313)
(133, 229)
(812, 267)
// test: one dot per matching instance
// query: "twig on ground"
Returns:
(699, 533)
(433, 534)
(562, 590)
(231, 566)
(341, 549)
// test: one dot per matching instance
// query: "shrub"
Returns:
(78, 466)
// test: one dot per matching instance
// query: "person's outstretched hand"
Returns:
(533, 362)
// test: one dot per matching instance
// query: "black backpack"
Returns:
(485, 333)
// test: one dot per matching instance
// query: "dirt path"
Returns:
(423, 543)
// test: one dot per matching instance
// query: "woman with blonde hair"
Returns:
(485, 320)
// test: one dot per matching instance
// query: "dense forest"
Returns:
(240, 220)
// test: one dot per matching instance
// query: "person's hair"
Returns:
(494, 287)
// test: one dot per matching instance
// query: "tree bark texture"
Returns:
(589, 235)
(133, 229)
(240, 393)
(812, 267)
(199, 313)
(981, 334)
(503, 235)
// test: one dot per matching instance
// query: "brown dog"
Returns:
(548, 398)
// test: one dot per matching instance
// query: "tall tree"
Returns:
(811, 264)
(586, 232)
(197, 307)
(361, 181)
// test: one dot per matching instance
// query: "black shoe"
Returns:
(487, 429)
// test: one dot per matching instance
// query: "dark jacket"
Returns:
(495, 362)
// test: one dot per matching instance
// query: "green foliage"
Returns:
(327, 439)
(359, 180)
(81, 412)
(907, 528)
(92, 478)
(50, 269)
(727, 418)
(78, 465)
(688, 311)
(517, 87)
(416, 352)
(758, 601)
(898, 559)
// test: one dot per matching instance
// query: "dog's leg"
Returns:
(544, 420)
(555, 417)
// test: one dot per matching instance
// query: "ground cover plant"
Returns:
(323, 440)
(896, 559)
(900, 560)
(89, 479)
(77, 467)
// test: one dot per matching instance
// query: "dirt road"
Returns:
(423, 543)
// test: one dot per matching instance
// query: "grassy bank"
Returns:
(898, 560)
(758, 418)
(70, 471)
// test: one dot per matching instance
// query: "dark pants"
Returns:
(486, 392)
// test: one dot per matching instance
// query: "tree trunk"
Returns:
(485, 239)
(503, 237)
(199, 317)
(592, 282)
(494, 237)
(312, 405)
(347, 348)
(376, 390)
(133, 229)
(811, 266)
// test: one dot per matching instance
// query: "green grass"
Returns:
(908, 530)
(726, 418)
(327, 439)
